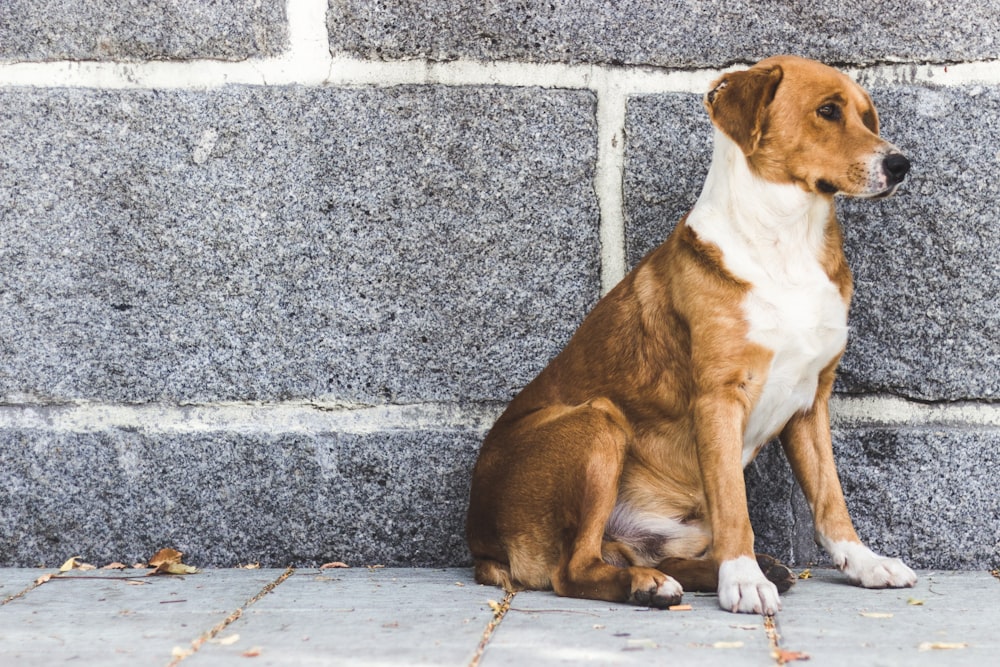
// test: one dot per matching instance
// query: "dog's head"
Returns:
(799, 121)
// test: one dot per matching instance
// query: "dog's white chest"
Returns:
(802, 319)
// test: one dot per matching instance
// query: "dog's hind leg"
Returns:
(542, 492)
(590, 488)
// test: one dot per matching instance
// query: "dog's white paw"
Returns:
(866, 568)
(744, 588)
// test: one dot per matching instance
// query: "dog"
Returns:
(617, 473)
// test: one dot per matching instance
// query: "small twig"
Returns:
(77, 577)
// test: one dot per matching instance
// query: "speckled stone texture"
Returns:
(926, 314)
(379, 245)
(141, 29)
(925, 495)
(667, 152)
(926, 311)
(680, 33)
(229, 498)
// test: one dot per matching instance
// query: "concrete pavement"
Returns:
(367, 617)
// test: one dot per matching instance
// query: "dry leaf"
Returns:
(250, 566)
(139, 566)
(806, 574)
(941, 646)
(783, 656)
(915, 602)
(330, 566)
(494, 605)
(115, 566)
(42, 579)
(679, 607)
(875, 614)
(252, 652)
(70, 564)
(229, 639)
(173, 568)
(727, 645)
(86, 567)
(181, 653)
(135, 582)
(165, 556)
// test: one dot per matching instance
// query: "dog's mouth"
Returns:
(885, 194)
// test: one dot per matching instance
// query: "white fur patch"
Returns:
(866, 568)
(771, 235)
(670, 588)
(744, 588)
(653, 537)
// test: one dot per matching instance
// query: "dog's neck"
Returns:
(754, 219)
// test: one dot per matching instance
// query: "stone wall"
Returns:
(268, 272)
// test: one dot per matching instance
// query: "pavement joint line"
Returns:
(196, 644)
(35, 584)
(499, 611)
(780, 655)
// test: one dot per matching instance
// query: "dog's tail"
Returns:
(495, 573)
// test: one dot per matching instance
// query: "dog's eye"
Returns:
(829, 111)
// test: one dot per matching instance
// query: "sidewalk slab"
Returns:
(837, 623)
(98, 618)
(542, 629)
(376, 616)
(361, 616)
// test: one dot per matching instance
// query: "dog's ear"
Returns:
(737, 104)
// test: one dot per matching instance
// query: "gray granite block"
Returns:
(926, 315)
(925, 495)
(391, 498)
(374, 245)
(926, 312)
(664, 32)
(141, 29)
(667, 152)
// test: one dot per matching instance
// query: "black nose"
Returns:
(896, 167)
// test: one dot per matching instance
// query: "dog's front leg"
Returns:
(742, 585)
(809, 449)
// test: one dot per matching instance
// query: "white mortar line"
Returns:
(894, 411)
(244, 418)
(318, 417)
(609, 182)
(308, 62)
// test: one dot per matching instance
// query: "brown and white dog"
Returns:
(617, 474)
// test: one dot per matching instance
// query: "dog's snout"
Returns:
(896, 167)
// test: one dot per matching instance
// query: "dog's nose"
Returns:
(896, 167)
